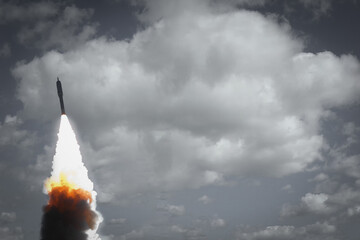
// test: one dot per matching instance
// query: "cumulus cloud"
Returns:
(319, 178)
(310, 203)
(217, 222)
(316, 202)
(194, 99)
(208, 223)
(314, 231)
(172, 210)
(333, 197)
(352, 211)
(205, 199)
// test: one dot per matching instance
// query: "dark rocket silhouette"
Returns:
(60, 94)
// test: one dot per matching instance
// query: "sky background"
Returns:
(206, 119)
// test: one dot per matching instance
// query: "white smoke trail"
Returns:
(68, 161)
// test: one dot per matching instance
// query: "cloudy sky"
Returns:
(206, 119)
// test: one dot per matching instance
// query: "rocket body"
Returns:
(60, 94)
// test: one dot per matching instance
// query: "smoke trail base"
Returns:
(71, 211)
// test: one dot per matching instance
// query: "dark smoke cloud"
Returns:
(67, 216)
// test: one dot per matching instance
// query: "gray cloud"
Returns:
(332, 197)
(47, 25)
(11, 11)
(177, 229)
(7, 230)
(204, 94)
(7, 233)
(135, 234)
(235, 97)
(17, 146)
(335, 194)
(117, 220)
(173, 210)
(217, 222)
(7, 217)
(288, 188)
(5, 50)
(314, 231)
(154, 10)
(310, 204)
(69, 29)
(318, 7)
(205, 199)
(11, 134)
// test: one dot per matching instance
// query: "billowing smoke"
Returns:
(71, 211)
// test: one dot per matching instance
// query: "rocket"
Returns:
(60, 94)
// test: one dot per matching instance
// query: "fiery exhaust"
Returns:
(71, 211)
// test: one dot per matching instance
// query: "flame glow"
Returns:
(69, 187)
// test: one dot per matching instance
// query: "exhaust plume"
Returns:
(71, 211)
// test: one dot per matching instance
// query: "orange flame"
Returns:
(67, 198)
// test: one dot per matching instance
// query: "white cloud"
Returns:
(310, 204)
(205, 199)
(320, 177)
(341, 200)
(217, 222)
(313, 231)
(354, 210)
(270, 232)
(117, 220)
(316, 202)
(194, 233)
(192, 100)
(335, 198)
(173, 210)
